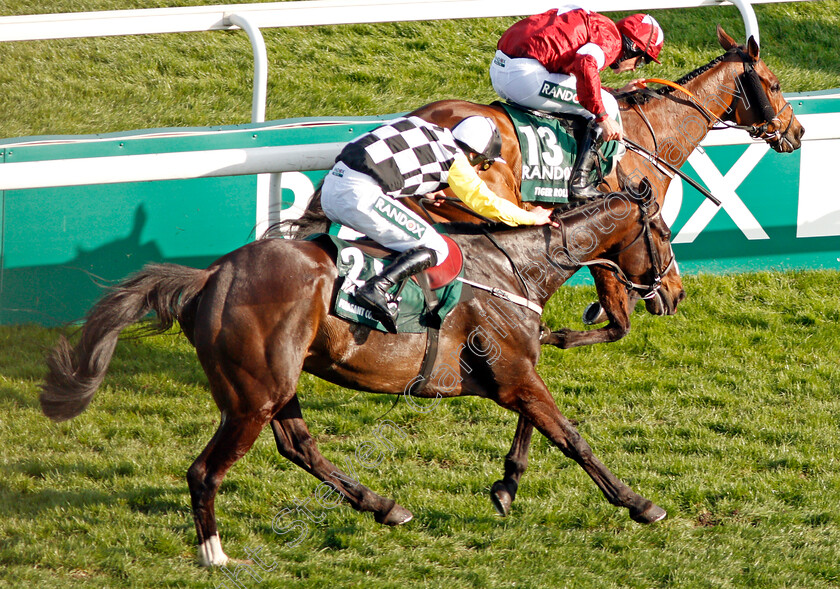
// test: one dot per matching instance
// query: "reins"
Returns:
(645, 291)
(495, 291)
(753, 86)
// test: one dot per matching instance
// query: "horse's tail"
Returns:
(76, 373)
(313, 220)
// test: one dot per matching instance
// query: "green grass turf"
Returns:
(120, 83)
(726, 414)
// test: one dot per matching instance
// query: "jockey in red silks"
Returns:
(552, 61)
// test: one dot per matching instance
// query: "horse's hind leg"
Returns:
(504, 492)
(231, 441)
(296, 443)
(533, 400)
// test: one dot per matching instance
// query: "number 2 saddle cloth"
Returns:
(357, 261)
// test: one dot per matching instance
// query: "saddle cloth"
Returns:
(548, 142)
(357, 261)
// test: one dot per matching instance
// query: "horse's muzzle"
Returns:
(789, 141)
(664, 303)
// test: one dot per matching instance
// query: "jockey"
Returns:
(411, 157)
(552, 61)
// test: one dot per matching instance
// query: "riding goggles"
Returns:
(631, 50)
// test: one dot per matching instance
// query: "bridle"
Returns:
(756, 95)
(752, 83)
(645, 291)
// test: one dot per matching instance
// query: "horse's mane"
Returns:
(644, 96)
(313, 220)
(467, 228)
(559, 214)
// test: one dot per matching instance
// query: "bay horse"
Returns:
(734, 90)
(260, 315)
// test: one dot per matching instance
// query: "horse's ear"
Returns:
(645, 189)
(725, 40)
(752, 48)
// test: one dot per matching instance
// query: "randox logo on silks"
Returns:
(558, 92)
(399, 218)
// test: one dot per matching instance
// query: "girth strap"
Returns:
(508, 296)
(432, 333)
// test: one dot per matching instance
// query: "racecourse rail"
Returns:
(252, 17)
(74, 196)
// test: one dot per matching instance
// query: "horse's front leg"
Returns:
(503, 492)
(532, 399)
(616, 306)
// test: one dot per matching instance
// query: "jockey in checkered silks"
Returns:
(411, 157)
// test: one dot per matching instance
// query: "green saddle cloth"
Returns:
(549, 149)
(356, 266)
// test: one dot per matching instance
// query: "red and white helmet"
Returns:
(645, 32)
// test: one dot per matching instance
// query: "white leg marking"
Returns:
(210, 553)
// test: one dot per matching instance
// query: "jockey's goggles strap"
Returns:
(503, 294)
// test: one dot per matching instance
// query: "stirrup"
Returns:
(376, 299)
(592, 314)
(374, 293)
(584, 193)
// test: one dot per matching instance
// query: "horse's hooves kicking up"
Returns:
(501, 498)
(396, 516)
(651, 514)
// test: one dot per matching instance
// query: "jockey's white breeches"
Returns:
(525, 81)
(355, 200)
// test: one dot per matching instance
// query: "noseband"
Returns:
(756, 94)
(751, 82)
(643, 290)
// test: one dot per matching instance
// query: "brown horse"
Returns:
(736, 89)
(260, 315)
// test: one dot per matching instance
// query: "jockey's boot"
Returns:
(582, 186)
(374, 293)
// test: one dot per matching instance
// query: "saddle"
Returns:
(424, 300)
(438, 276)
(548, 142)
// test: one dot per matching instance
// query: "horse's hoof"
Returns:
(594, 314)
(501, 498)
(652, 513)
(396, 516)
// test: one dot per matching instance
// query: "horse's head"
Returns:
(759, 105)
(646, 258)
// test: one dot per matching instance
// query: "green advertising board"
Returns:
(58, 246)
(778, 210)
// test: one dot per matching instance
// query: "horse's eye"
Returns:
(775, 88)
